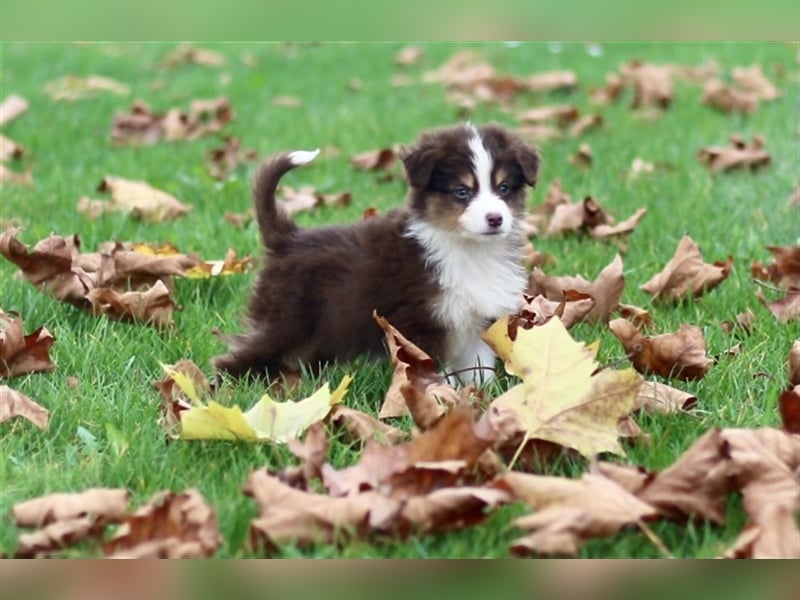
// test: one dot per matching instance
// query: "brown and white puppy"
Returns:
(440, 270)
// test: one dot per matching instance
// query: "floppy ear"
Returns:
(528, 159)
(418, 163)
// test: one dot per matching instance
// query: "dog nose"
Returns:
(494, 220)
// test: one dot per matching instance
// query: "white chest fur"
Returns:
(480, 280)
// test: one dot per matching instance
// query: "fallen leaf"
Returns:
(786, 308)
(686, 274)
(582, 158)
(224, 160)
(138, 199)
(188, 54)
(794, 363)
(375, 160)
(12, 107)
(555, 197)
(605, 230)
(72, 88)
(636, 315)
(410, 55)
(562, 398)
(9, 149)
(539, 133)
(570, 512)
(307, 198)
(7, 176)
(738, 155)
(361, 427)
(743, 321)
(144, 127)
(55, 537)
(726, 98)
(582, 125)
(681, 355)
(562, 114)
(659, 397)
(652, 84)
(171, 525)
(22, 354)
(239, 220)
(15, 404)
(108, 503)
(783, 271)
(606, 289)
(608, 93)
(572, 309)
(266, 421)
(789, 409)
(179, 397)
(153, 306)
(230, 265)
(752, 79)
(583, 215)
(550, 81)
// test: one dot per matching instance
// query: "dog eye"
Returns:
(461, 193)
(504, 189)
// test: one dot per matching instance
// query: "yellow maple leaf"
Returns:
(266, 421)
(559, 399)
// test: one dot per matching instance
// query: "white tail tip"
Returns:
(303, 157)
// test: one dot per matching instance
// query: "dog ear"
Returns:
(418, 162)
(528, 159)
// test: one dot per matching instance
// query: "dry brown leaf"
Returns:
(410, 55)
(659, 397)
(555, 197)
(539, 133)
(789, 408)
(626, 226)
(307, 198)
(171, 525)
(786, 308)
(752, 79)
(686, 274)
(224, 160)
(72, 88)
(794, 363)
(239, 220)
(59, 535)
(312, 452)
(139, 199)
(189, 54)
(414, 369)
(783, 271)
(21, 354)
(562, 114)
(681, 355)
(106, 503)
(606, 289)
(361, 427)
(173, 400)
(382, 159)
(144, 127)
(570, 512)
(609, 92)
(726, 98)
(584, 215)
(582, 158)
(550, 81)
(582, 125)
(744, 321)
(572, 309)
(652, 84)
(11, 108)
(636, 315)
(14, 404)
(738, 155)
(154, 305)
(9, 149)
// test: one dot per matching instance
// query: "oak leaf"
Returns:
(562, 399)
(15, 404)
(681, 355)
(687, 274)
(606, 289)
(171, 525)
(22, 354)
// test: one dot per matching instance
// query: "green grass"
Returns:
(69, 149)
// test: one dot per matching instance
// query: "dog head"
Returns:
(470, 180)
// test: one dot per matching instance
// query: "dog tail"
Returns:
(275, 226)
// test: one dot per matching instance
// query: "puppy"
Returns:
(440, 270)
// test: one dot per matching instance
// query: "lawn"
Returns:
(104, 428)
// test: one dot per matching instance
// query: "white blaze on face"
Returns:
(485, 210)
